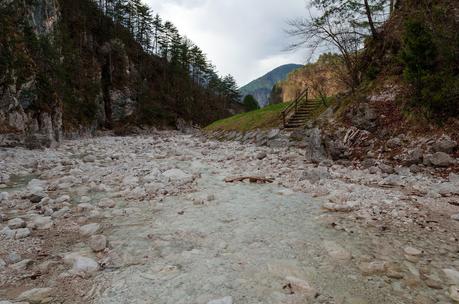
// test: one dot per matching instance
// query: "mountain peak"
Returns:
(261, 87)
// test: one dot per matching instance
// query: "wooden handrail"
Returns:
(294, 105)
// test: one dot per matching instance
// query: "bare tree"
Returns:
(325, 32)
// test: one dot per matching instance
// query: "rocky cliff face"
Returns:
(321, 78)
(20, 121)
(66, 69)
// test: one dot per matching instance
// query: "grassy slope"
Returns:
(268, 117)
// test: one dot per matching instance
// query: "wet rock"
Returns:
(36, 295)
(21, 233)
(106, 203)
(16, 223)
(452, 275)
(90, 229)
(97, 242)
(225, 300)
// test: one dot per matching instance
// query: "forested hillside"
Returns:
(261, 88)
(75, 66)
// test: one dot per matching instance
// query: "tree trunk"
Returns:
(374, 33)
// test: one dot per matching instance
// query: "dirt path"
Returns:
(177, 233)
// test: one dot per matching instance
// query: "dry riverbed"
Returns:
(150, 219)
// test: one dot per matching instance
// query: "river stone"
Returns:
(62, 199)
(7, 232)
(97, 242)
(372, 268)
(16, 223)
(84, 207)
(454, 293)
(444, 144)
(3, 197)
(36, 295)
(177, 175)
(452, 275)
(337, 207)
(336, 252)
(225, 300)
(61, 212)
(441, 159)
(314, 175)
(41, 222)
(106, 203)
(21, 233)
(89, 229)
(84, 266)
(386, 168)
(301, 287)
(261, 155)
(412, 251)
(455, 217)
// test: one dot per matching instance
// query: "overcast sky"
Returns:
(244, 38)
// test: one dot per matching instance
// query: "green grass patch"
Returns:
(266, 118)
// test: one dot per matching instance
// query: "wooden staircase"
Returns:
(299, 112)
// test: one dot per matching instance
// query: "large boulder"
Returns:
(440, 159)
(363, 117)
(444, 144)
(315, 150)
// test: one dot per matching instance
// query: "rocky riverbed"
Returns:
(150, 219)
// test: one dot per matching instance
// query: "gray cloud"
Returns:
(244, 38)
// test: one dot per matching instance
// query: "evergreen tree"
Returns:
(250, 103)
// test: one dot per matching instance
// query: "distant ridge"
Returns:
(261, 87)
